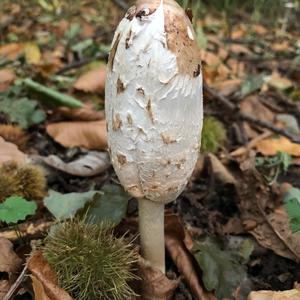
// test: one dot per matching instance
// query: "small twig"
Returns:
(244, 149)
(17, 283)
(270, 126)
(245, 117)
(80, 63)
(219, 97)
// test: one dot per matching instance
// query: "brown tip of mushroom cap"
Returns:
(181, 38)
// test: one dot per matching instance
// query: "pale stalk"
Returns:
(151, 226)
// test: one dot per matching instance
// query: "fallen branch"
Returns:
(80, 63)
(27, 230)
(245, 117)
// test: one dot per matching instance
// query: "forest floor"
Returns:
(234, 228)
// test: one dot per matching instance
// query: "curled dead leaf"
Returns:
(85, 113)
(14, 134)
(271, 146)
(219, 171)
(38, 289)
(11, 51)
(91, 164)
(45, 281)
(228, 87)
(253, 106)
(155, 285)
(176, 237)
(90, 135)
(7, 76)
(10, 263)
(9, 260)
(93, 81)
(9, 152)
(275, 295)
(268, 225)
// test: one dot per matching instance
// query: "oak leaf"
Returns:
(92, 81)
(89, 135)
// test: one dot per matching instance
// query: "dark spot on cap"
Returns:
(120, 86)
(197, 71)
(141, 91)
(121, 159)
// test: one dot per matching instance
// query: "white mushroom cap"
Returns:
(154, 100)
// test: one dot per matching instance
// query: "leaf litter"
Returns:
(51, 113)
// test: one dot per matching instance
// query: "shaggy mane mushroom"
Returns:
(154, 112)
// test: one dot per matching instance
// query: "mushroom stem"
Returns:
(151, 223)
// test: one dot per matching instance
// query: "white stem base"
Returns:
(151, 226)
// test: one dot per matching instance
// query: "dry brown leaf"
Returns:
(42, 272)
(154, 284)
(11, 51)
(237, 67)
(259, 29)
(279, 221)
(10, 263)
(239, 31)
(51, 61)
(228, 87)
(4, 288)
(86, 113)
(38, 289)
(270, 230)
(7, 76)
(273, 145)
(93, 81)
(240, 49)
(9, 152)
(90, 135)
(274, 295)
(213, 68)
(88, 30)
(14, 134)
(279, 82)
(252, 106)
(223, 53)
(175, 235)
(9, 260)
(219, 171)
(281, 46)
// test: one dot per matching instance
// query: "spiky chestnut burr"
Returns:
(90, 262)
(154, 111)
(24, 180)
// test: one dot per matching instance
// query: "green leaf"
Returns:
(79, 47)
(201, 38)
(64, 206)
(292, 206)
(22, 111)
(15, 209)
(74, 30)
(251, 84)
(111, 205)
(108, 204)
(222, 270)
(246, 249)
(52, 96)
